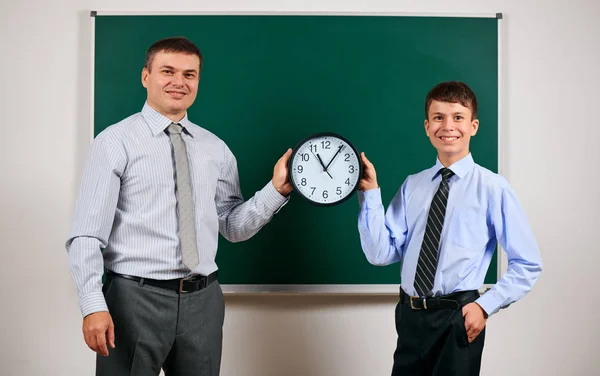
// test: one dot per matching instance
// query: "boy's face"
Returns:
(449, 127)
(172, 83)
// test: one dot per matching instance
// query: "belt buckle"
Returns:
(181, 281)
(202, 282)
(417, 308)
(181, 290)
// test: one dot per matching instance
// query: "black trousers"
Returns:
(434, 342)
(157, 328)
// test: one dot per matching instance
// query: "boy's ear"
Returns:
(426, 124)
(475, 127)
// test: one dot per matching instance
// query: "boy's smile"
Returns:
(449, 139)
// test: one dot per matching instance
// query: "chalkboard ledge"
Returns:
(319, 289)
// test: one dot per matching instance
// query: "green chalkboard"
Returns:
(268, 81)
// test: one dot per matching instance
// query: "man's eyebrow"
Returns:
(173, 68)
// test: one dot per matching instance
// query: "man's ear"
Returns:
(474, 126)
(145, 74)
(426, 124)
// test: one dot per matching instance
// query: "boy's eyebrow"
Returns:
(461, 113)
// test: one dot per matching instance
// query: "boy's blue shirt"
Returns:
(482, 210)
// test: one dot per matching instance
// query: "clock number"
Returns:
(347, 159)
(313, 190)
(351, 169)
(325, 195)
(347, 181)
(303, 182)
(339, 191)
(304, 157)
(300, 169)
(325, 144)
(313, 148)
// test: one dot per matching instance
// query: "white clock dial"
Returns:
(325, 169)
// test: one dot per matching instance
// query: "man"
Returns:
(443, 225)
(156, 190)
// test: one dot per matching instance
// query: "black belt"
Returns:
(451, 301)
(181, 285)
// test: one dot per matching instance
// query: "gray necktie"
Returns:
(185, 204)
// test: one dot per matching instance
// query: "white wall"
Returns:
(550, 139)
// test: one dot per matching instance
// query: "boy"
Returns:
(443, 225)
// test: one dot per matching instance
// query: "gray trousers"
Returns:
(158, 328)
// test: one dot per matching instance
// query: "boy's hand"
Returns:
(475, 320)
(369, 176)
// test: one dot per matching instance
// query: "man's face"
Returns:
(449, 127)
(172, 83)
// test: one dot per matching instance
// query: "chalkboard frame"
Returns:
(354, 289)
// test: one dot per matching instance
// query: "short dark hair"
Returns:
(172, 44)
(452, 92)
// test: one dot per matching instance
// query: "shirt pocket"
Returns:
(468, 229)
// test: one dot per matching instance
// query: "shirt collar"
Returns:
(159, 122)
(460, 167)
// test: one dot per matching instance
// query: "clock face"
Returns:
(325, 169)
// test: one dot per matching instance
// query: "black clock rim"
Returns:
(295, 151)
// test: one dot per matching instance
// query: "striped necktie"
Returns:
(428, 257)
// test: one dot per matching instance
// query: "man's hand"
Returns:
(98, 329)
(369, 177)
(280, 175)
(475, 320)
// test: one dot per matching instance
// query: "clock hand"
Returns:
(335, 155)
(323, 164)
(318, 157)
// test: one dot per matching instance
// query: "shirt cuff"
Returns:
(489, 303)
(92, 303)
(273, 199)
(371, 198)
